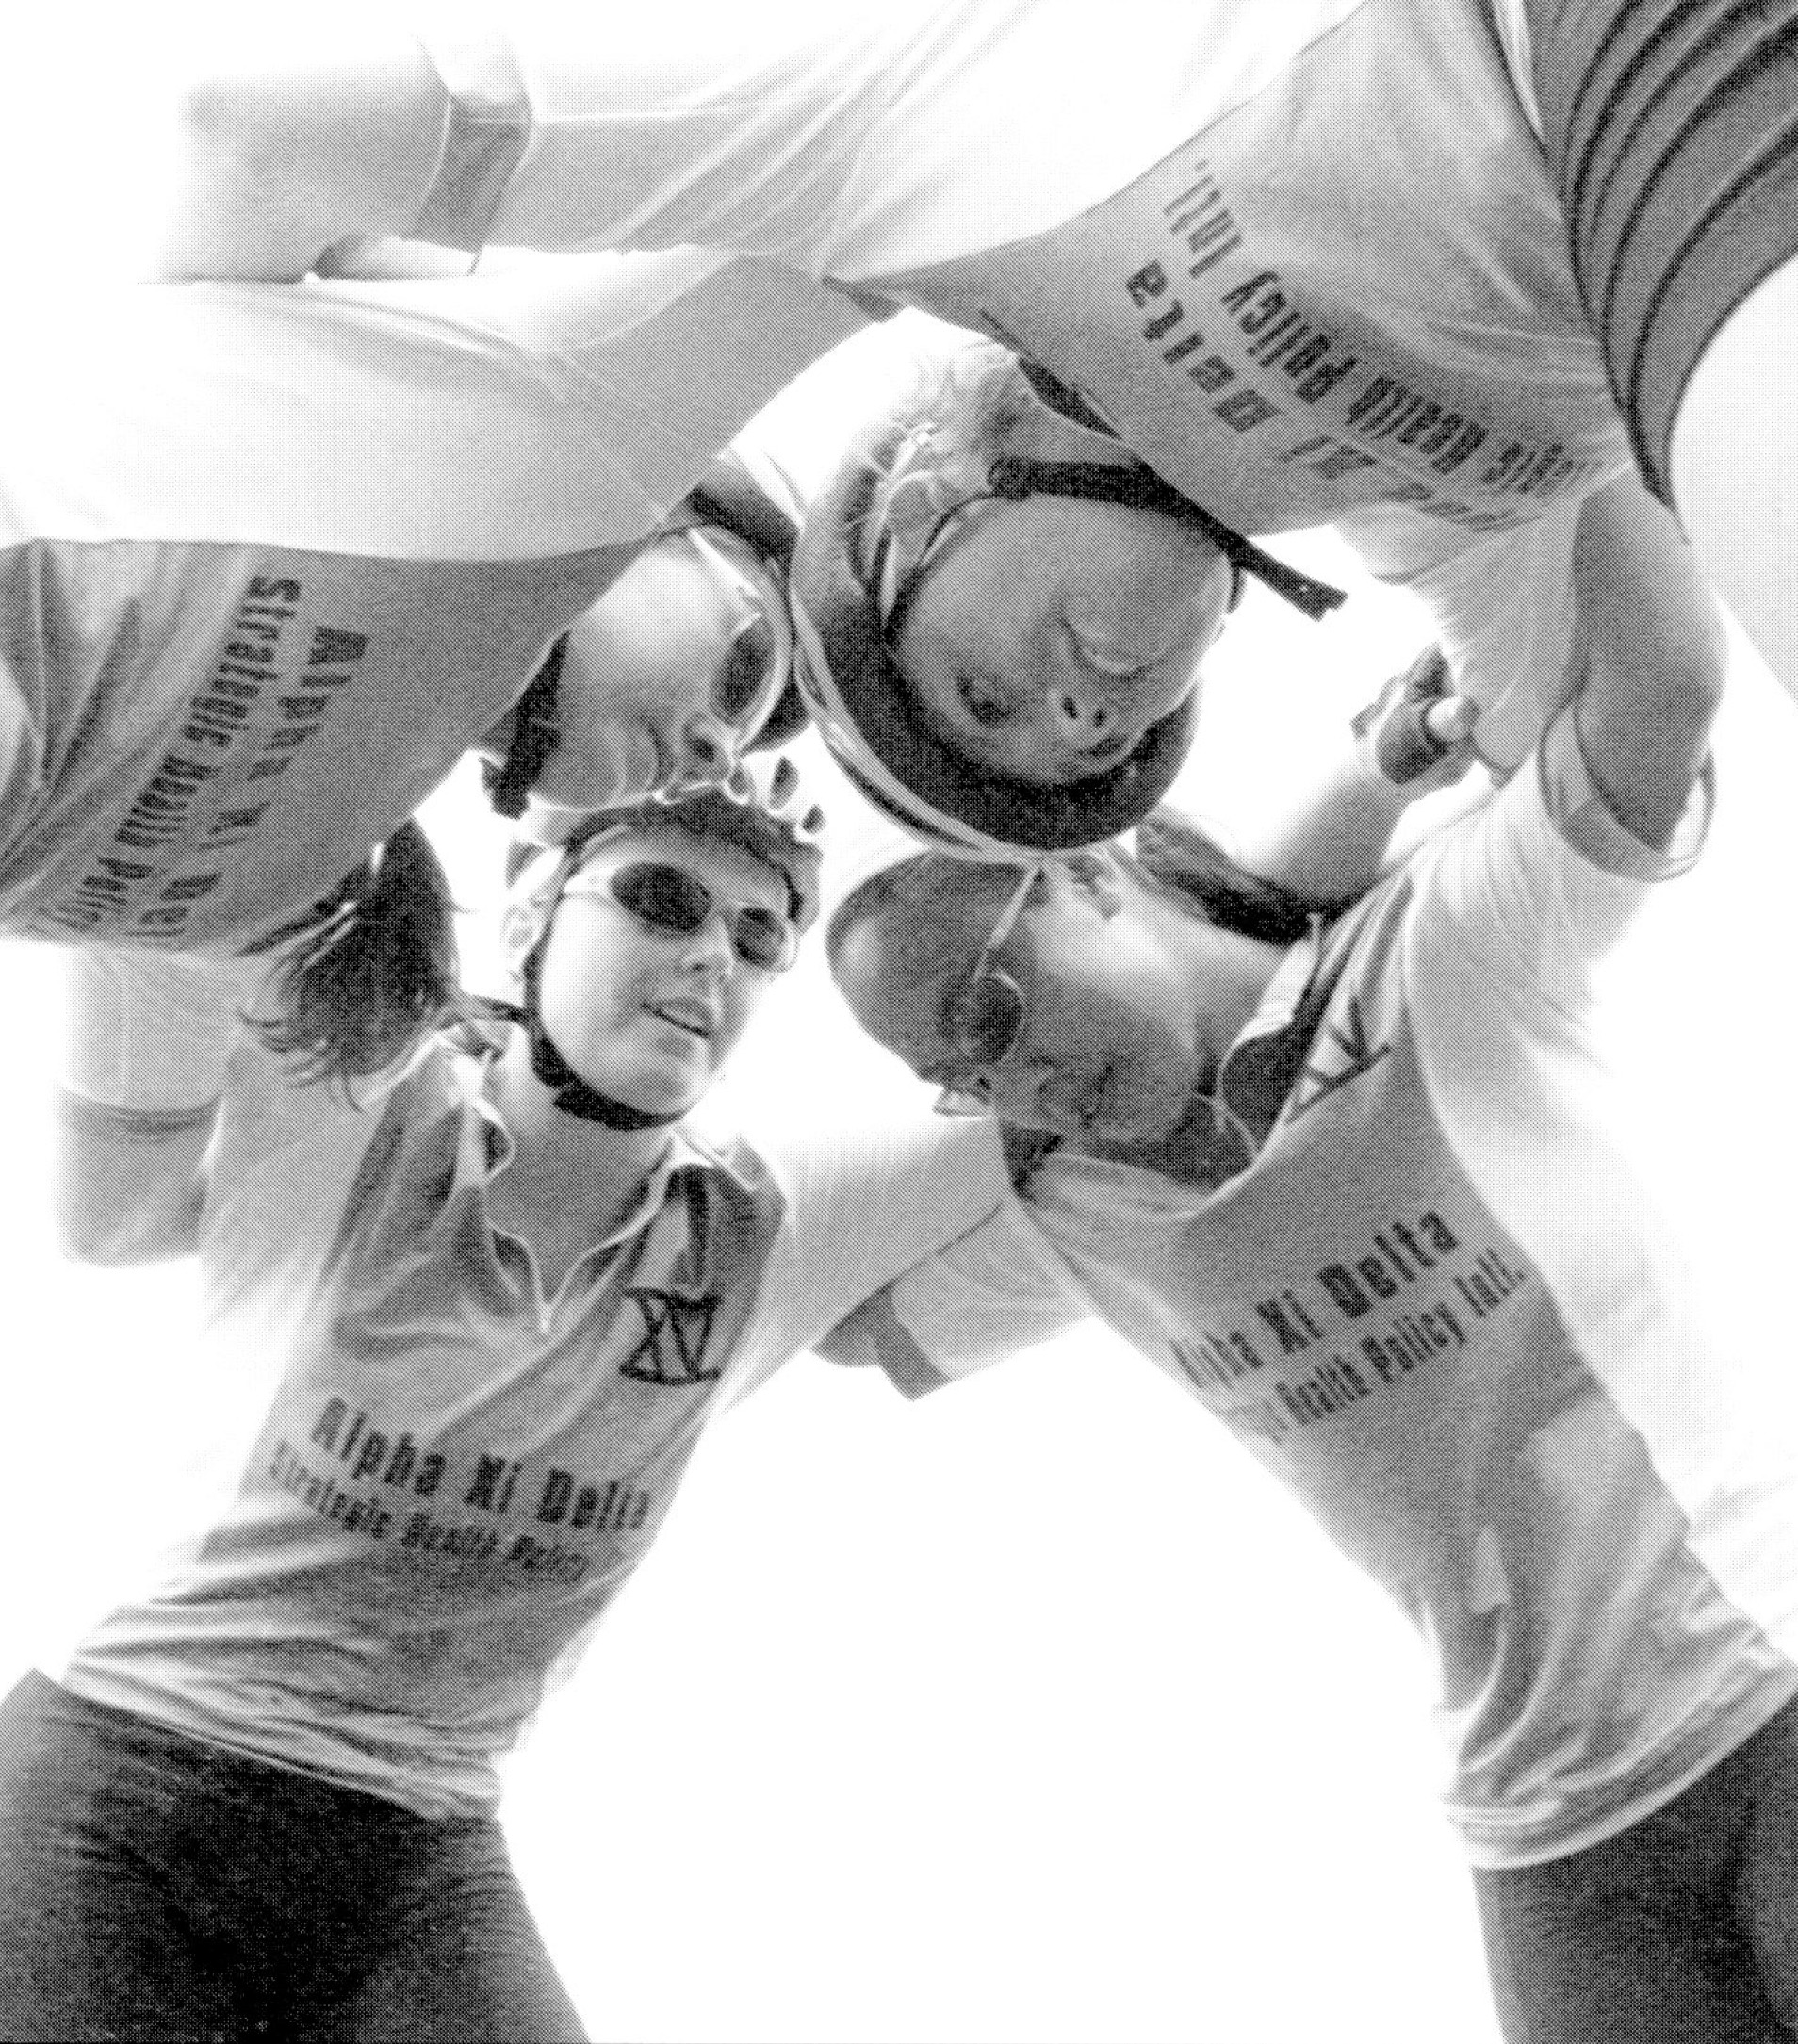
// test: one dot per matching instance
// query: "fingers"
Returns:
(1450, 722)
(1416, 733)
(1425, 678)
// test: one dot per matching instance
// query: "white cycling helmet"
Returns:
(762, 808)
(867, 543)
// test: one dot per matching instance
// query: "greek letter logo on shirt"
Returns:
(1343, 1053)
(676, 1333)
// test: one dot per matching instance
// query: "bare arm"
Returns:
(1650, 649)
(145, 1044)
(982, 1299)
(1735, 464)
(276, 160)
(130, 1184)
(1411, 740)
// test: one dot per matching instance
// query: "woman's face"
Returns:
(643, 1016)
(1112, 1044)
(653, 687)
(1049, 634)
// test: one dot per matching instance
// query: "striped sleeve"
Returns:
(485, 129)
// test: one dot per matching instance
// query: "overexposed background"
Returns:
(1035, 1711)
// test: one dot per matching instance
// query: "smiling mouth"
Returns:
(691, 1021)
(1113, 748)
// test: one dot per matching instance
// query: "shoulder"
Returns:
(287, 1159)
(267, 1114)
(718, 1148)
(858, 1207)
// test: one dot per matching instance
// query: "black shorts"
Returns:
(154, 1886)
(1670, 126)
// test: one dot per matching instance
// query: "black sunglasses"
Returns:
(671, 902)
(986, 1014)
(758, 663)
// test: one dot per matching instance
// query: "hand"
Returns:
(1417, 734)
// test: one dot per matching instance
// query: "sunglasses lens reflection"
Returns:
(664, 897)
(987, 1019)
(668, 899)
(763, 938)
(747, 669)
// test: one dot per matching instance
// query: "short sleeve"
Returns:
(1578, 811)
(1543, 880)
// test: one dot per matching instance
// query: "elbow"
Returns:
(208, 113)
(1651, 632)
(107, 1242)
(1663, 681)
(108, 1231)
(1712, 674)
(276, 161)
(223, 124)
(1693, 665)
(82, 1242)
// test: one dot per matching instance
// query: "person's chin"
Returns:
(671, 1079)
(627, 769)
(1127, 1118)
(661, 1094)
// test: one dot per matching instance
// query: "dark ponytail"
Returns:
(1183, 860)
(375, 975)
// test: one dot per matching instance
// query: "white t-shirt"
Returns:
(1441, 1307)
(273, 558)
(1307, 261)
(424, 1478)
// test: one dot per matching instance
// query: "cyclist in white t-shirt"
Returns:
(273, 561)
(1428, 269)
(1354, 1189)
(461, 1335)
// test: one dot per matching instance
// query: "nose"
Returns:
(1084, 716)
(707, 753)
(710, 951)
(1022, 1088)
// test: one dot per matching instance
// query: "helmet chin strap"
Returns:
(568, 1090)
(1139, 485)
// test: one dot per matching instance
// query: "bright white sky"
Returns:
(1035, 1711)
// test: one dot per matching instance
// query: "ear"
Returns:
(519, 929)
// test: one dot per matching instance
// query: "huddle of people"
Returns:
(281, 545)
